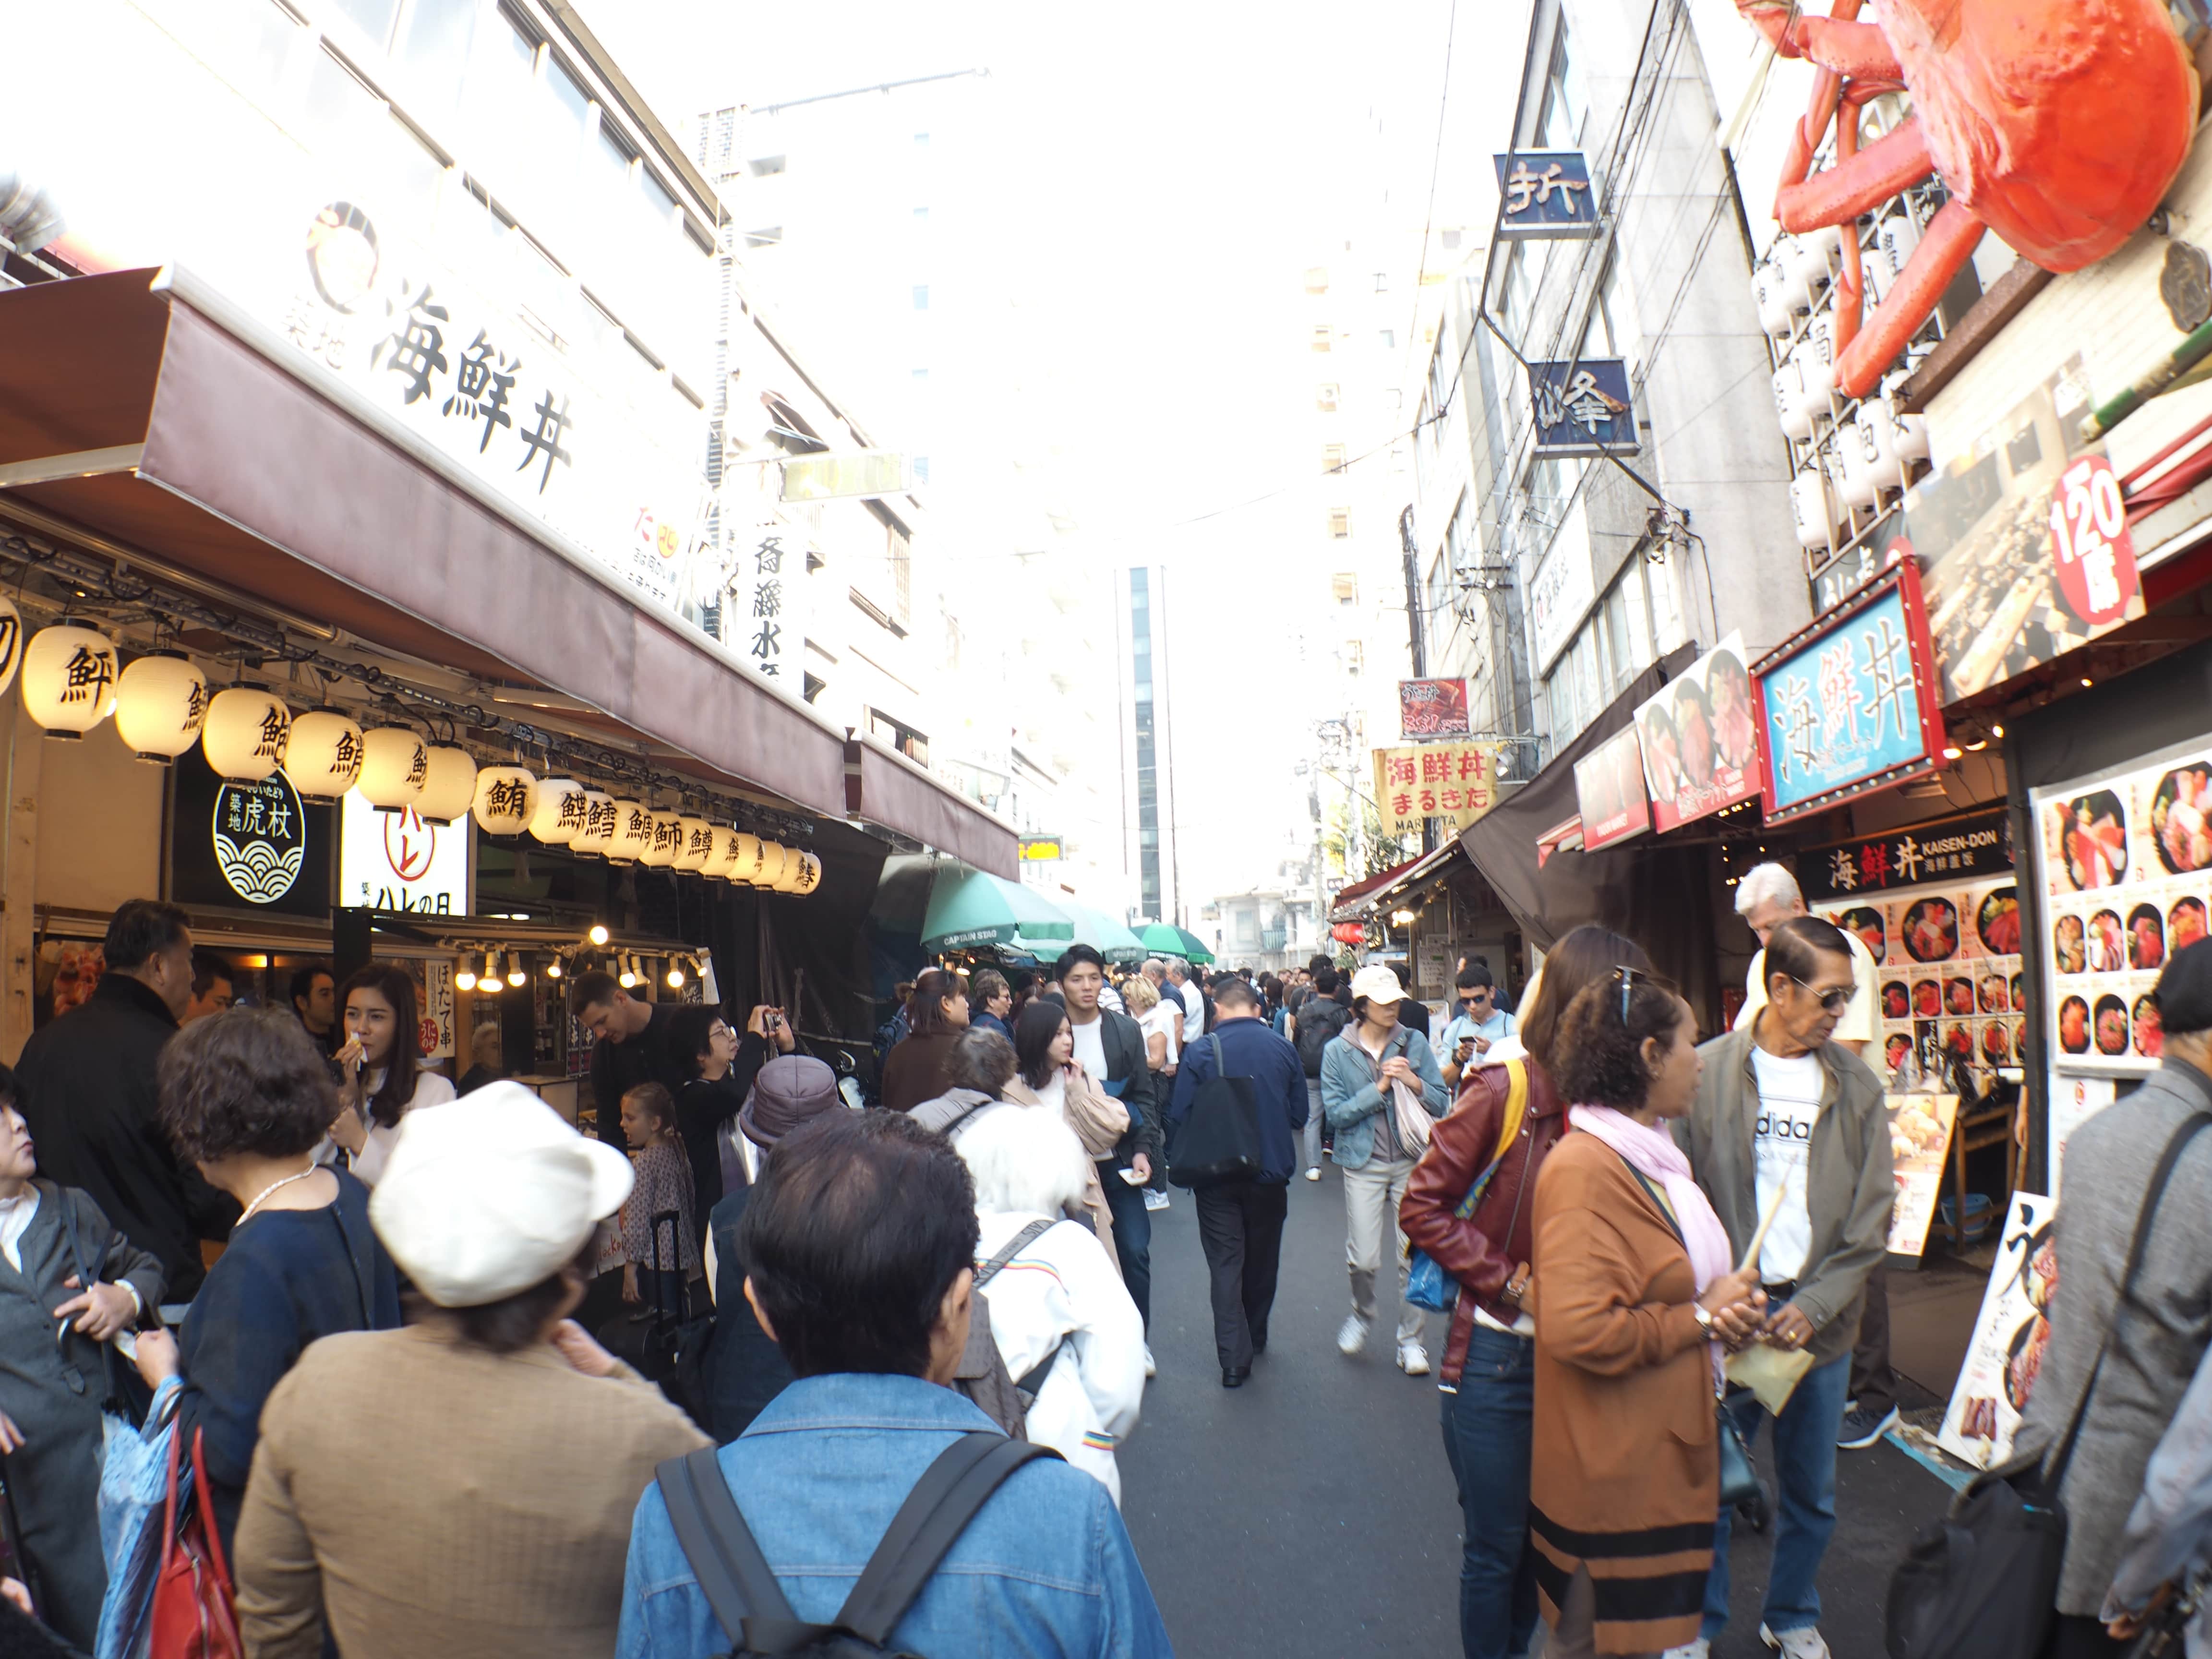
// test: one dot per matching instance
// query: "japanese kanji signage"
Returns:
(1432, 708)
(1610, 791)
(1849, 706)
(1455, 781)
(1583, 408)
(768, 589)
(248, 845)
(1958, 849)
(400, 861)
(1700, 740)
(1547, 193)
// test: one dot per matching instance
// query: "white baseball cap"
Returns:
(1377, 984)
(492, 1194)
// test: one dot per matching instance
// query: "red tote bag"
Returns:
(192, 1616)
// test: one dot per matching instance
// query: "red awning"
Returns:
(1360, 889)
(148, 417)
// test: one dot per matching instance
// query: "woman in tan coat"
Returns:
(1634, 1293)
(1045, 1050)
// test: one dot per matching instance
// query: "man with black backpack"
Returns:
(1318, 1022)
(869, 1508)
(1240, 1072)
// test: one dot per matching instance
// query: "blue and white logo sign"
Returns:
(260, 837)
(1547, 193)
(1583, 408)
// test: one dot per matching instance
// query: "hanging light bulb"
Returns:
(558, 818)
(487, 980)
(449, 784)
(599, 934)
(629, 975)
(246, 733)
(465, 977)
(323, 755)
(674, 974)
(395, 765)
(553, 969)
(161, 703)
(515, 976)
(68, 678)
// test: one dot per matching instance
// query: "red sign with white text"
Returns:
(2090, 543)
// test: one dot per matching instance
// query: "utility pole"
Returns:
(1417, 637)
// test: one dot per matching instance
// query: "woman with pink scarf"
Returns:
(1635, 1297)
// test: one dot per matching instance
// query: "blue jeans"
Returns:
(1487, 1429)
(1805, 1477)
(1132, 1236)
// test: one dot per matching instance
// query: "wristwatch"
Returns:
(1705, 1319)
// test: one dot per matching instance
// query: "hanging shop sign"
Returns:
(1979, 844)
(1041, 849)
(2005, 1354)
(1583, 408)
(768, 589)
(1949, 961)
(436, 1036)
(1610, 791)
(247, 844)
(1547, 193)
(1699, 739)
(1432, 708)
(1455, 781)
(2125, 859)
(2023, 542)
(400, 860)
(1849, 706)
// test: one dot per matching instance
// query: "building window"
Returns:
(1450, 241)
(1354, 656)
(1323, 337)
(1339, 523)
(1317, 280)
(1332, 457)
(922, 216)
(1381, 282)
(1325, 399)
(769, 236)
(1566, 101)
(1344, 587)
(921, 296)
(921, 469)
(921, 374)
(1388, 337)
(435, 46)
(763, 166)
(374, 18)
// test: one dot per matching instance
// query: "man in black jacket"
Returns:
(88, 1090)
(1111, 1047)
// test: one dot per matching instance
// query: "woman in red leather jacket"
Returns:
(1488, 1363)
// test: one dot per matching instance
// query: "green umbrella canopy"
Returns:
(1162, 939)
(1104, 935)
(971, 907)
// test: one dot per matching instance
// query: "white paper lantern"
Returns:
(1854, 456)
(809, 876)
(1809, 499)
(246, 733)
(68, 678)
(770, 870)
(1789, 399)
(506, 799)
(395, 765)
(559, 817)
(794, 866)
(322, 754)
(11, 643)
(161, 703)
(633, 836)
(449, 784)
(698, 841)
(731, 845)
(664, 840)
(596, 837)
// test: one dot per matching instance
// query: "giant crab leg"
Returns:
(1805, 137)
(1897, 159)
(1847, 300)
(1951, 239)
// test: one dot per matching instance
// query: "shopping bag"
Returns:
(193, 1616)
(134, 1484)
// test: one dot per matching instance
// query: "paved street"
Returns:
(1311, 1512)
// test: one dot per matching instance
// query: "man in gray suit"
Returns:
(2157, 1344)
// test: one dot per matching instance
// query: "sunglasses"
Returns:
(1832, 1002)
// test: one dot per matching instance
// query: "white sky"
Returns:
(1169, 172)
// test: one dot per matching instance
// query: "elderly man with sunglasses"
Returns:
(1789, 1121)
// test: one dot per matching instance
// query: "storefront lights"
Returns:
(515, 976)
(161, 703)
(698, 842)
(246, 733)
(558, 817)
(674, 974)
(68, 678)
(449, 784)
(395, 765)
(633, 832)
(323, 756)
(465, 977)
(628, 976)
(487, 980)
(553, 969)
(599, 934)
(597, 835)
(506, 799)
(664, 840)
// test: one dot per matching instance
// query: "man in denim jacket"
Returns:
(860, 1246)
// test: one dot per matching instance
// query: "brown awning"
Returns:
(886, 787)
(149, 413)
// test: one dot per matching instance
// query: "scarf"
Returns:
(1654, 1154)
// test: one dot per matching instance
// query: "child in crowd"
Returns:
(664, 1183)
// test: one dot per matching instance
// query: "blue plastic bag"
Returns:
(134, 1486)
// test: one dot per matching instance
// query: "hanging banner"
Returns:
(1699, 738)
(1454, 781)
(1432, 708)
(399, 860)
(1979, 844)
(2125, 860)
(1547, 194)
(768, 589)
(1610, 791)
(2005, 1355)
(1919, 1142)
(1583, 408)
(1849, 706)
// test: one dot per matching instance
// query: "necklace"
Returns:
(271, 1187)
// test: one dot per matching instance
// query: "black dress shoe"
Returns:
(1234, 1377)
(1259, 1346)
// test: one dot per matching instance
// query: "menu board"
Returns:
(2010, 1336)
(1919, 1137)
(2124, 859)
(1950, 980)
(2073, 1101)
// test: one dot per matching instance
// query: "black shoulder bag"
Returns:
(740, 1586)
(1219, 1141)
(1983, 1582)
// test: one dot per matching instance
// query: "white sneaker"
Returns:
(1150, 1370)
(1313, 1174)
(1803, 1643)
(1413, 1359)
(1700, 1648)
(1352, 1336)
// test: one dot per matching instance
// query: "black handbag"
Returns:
(1983, 1581)
(1219, 1141)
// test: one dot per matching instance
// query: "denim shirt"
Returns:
(1352, 1098)
(1045, 1567)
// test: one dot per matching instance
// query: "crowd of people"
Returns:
(764, 1324)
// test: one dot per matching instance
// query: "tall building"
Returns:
(1148, 753)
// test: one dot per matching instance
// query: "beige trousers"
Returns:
(1371, 1197)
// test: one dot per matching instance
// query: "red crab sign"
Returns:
(2058, 124)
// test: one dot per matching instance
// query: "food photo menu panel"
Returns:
(1950, 981)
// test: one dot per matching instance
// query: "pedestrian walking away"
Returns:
(1240, 1221)
(1321, 1020)
(1381, 1089)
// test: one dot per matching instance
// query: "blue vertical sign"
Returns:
(1547, 193)
(1583, 408)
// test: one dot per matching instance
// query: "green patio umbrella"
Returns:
(1164, 938)
(1103, 934)
(972, 908)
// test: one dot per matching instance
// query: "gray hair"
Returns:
(1768, 883)
(981, 1059)
(1024, 1162)
(1178, 969)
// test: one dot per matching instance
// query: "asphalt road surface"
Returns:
(1312, 1511)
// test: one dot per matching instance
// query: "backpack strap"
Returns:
(943, 1502)
(1032, 1380)
(1517, 1113)
(1021, 1242)
(725, 1558)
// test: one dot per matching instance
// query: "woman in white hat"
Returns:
(464, 1485)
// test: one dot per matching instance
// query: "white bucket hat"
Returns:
(492, 1194)
(1377, 984)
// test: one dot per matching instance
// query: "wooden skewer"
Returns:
(1774, 1209)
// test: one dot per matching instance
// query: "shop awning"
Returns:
(1165, 938)
(1409, 881)
(972, 909)
(145, 417)
(1103, 933)
(1348, 906)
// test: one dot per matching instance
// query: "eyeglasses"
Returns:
(718, 1030)
(1832, 1002)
